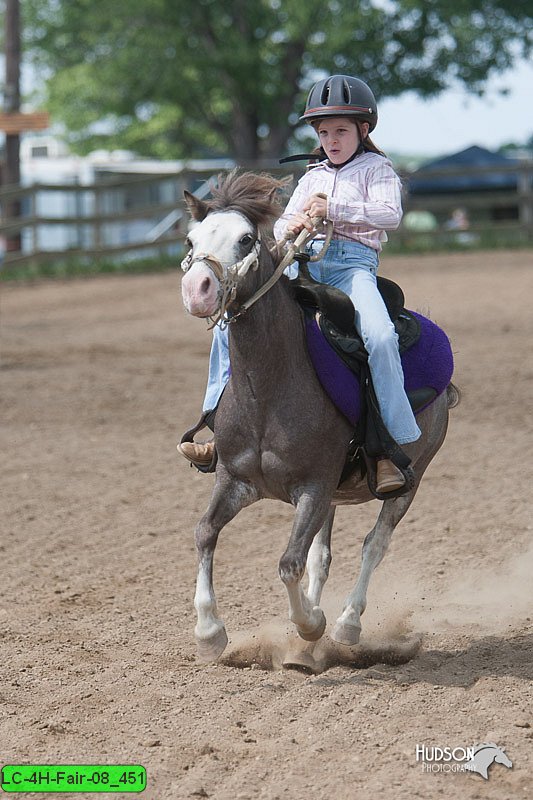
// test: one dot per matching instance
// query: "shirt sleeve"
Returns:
(381, 207)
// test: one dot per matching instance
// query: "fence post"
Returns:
(525, 199)
(32, 213)
(97, 237)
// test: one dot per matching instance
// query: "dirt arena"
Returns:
(99, 379)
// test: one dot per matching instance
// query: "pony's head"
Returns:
(225, 242)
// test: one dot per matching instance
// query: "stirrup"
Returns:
(189, 435)
(371, 477)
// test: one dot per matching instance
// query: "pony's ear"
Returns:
(197, 208)
(273, 195)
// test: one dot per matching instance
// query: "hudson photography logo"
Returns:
(477, 758)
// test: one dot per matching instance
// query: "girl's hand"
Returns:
(297, 223)
(316, 206)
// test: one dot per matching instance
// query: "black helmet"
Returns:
(341, 96)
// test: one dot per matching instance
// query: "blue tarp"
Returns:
(471, 157)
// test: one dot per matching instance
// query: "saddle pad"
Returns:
(429, 362)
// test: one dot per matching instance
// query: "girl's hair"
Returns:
(370, 147)
(367, 143)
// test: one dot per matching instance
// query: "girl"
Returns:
(363, 200)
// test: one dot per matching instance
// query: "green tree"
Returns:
(174, 78)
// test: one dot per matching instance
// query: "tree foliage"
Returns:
(174, 78)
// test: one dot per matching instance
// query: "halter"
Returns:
(229, 281)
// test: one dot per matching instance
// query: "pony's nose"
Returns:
(199, 289)
(205, 286)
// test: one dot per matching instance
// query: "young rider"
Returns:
(363, 200)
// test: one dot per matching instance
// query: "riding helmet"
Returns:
(339, 96)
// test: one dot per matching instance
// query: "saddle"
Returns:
(334, 303)
(336, 320)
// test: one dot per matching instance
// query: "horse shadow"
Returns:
(493, 656)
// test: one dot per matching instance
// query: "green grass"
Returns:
(74, 268)
(446, 242)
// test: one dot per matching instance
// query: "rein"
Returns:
(229, 281)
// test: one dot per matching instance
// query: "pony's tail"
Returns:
(453, 394)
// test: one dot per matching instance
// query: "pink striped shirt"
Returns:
(364, 199)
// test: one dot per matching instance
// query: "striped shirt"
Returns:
(364, 199)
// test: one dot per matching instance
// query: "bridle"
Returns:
(229, 281)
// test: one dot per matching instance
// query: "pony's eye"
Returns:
(246, 239)
(188, 242)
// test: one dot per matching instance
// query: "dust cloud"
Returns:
(276, 645)
(488, 601)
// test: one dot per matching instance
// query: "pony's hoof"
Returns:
(343, 633)
(301, 661)
(315, 633)
(210, 649)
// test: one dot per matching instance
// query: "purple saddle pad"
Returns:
(429, 362)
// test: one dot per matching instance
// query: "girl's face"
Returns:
(339, 136)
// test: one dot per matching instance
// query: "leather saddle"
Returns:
(337, 315)
(334, 303)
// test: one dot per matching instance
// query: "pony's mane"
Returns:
(254, 196)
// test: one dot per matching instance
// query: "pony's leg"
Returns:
(301, 656)
(228, 498)
(347, 628)
(319, 559)
(310, 515)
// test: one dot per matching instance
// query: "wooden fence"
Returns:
(127, 216)
(498, 212)
(111, 218)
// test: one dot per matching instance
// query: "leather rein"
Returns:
(230, 280)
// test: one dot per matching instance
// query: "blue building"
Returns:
(484, 183)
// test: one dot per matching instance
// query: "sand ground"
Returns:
(99, 378)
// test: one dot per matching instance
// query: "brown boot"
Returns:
(389, 477)
(199, 454)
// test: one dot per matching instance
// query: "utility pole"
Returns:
(12, 106)
(12, 87)
(12, 121)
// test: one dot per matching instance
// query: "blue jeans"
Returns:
(352, 267)
(219, 368)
